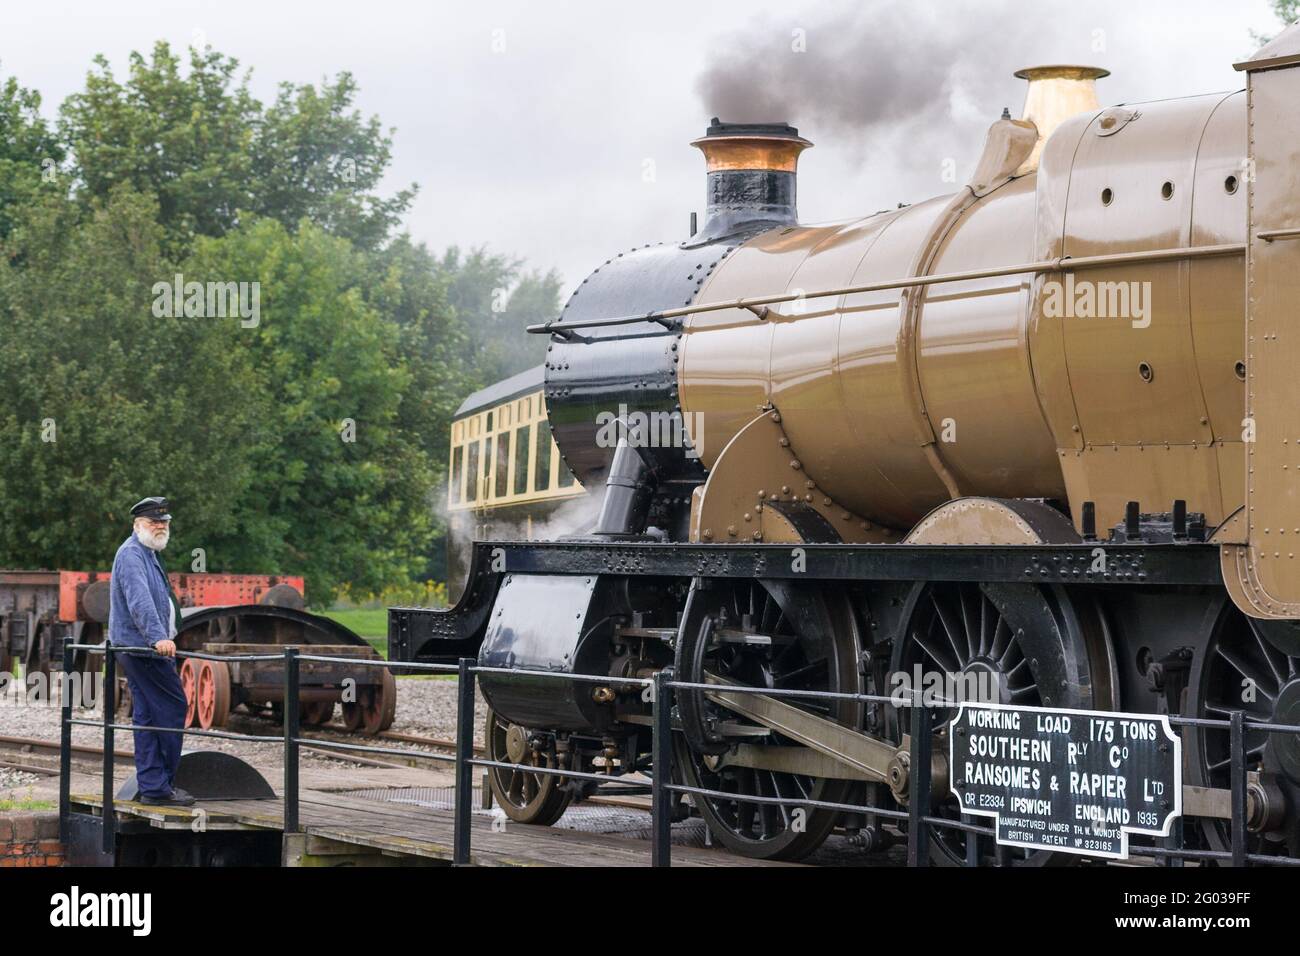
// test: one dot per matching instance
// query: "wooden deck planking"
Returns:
(409, 830)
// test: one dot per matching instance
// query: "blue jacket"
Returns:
(141, 607)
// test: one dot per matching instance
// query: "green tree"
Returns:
(29, 153)
(186, 139)
(314, 157)
(104, 401)
(343, 489)
(312, 441)
(497, 301)
(434, 343)
(210, 152)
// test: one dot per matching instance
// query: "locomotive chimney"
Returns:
(1055, 94)
(751, 175)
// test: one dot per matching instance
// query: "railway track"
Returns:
(388, 760)
(40, 756)
(37, 755)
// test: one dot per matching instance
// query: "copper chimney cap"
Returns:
(759, 146)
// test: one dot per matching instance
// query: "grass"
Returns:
(26, 804)
(370, 623)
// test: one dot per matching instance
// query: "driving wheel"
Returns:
(525, 797)
(762, 634)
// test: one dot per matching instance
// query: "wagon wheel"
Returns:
(1253, 666)
(1024, 646)
(37, 660)
(317, 712)
(763, 634)
(223, 630)
(189, 680)
(525, 797)
(353, 716)
(379, 705)
(213, 694)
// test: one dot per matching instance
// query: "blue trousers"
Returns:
(158, 701)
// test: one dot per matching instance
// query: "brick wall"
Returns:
(29, 838)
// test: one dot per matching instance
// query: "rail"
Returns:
(921, 824)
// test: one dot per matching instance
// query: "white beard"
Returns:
(153, 541)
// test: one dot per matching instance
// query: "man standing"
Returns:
(143, 613)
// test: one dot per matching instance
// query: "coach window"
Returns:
(471, 472)
(523, 436)
(503, 464)
(457, 472)
(542, 459)
(487, 468)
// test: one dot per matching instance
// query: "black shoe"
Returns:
(177, 798)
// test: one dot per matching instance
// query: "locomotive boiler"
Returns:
(1045, 429)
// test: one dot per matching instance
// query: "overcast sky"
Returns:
(559, 131)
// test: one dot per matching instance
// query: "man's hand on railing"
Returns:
(166, 648)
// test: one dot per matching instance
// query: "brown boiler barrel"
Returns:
(1017, 387)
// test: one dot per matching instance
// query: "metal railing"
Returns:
(920, 822)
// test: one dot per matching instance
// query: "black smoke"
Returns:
(936, 75)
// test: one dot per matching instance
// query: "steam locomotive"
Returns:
(1046, 429)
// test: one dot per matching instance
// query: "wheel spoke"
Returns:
(984, 632)
(799, 785)
(943, 665)
(1013, 651)
(758, 811)
(516, 790)
(785, 652)
(816, 667)
(1248, 672)
(776, 790)
(1227, 708)
(948, 629)
(1000, 630)
(971, 649)
(1266, 649)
